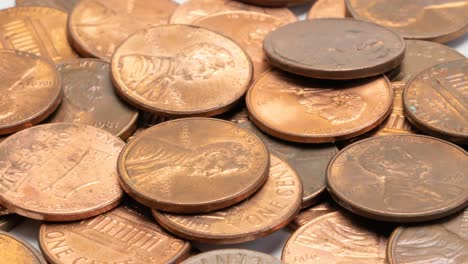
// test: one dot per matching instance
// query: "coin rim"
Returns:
(275, 3)
(193, 259)
(391, 244)
(34, 251)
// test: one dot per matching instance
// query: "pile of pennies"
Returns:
(138, 129)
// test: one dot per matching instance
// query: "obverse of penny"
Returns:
(123, 235)
(400, 178)
(60, 172)
(334, 48)
(15, 250)
(98, 27)
(66, 5)
(327, 9)
(335, 238)
(445, 241)
(37, 30)
(275, 3)
(436, 101)
(29, 90)
(440, 20)
(192, 10)
(193, 165)
(180, 70)
(7, 222)
(312, 213)
(270, 209)
(232, 256)
(317, 111)
(90, 98)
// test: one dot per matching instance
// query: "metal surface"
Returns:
(65, 5)
(232, 256)
(327, 9)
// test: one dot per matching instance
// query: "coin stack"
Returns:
(348, 128)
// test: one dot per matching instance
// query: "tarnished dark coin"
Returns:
(7, 222)
(90, 98)
(269, 210)
(312, 213)
(334, 48)
(435, 20)
(14, 250)
(232, 256)
(436, 101)
(400, 178)
(275, 3)
(327, 9)
(66, 5)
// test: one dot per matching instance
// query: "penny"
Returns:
(248, 29)
(336, 238)
(90, 98)
(192, 10)
(438, 20)
(310, 214)
(270, 209)
(334, 48)
(445, 241)
(317, 111)
(436, 102)
(29, 90)
(180, 70)
(232, 256)
(60, 172)
(193, 165)
(66, 5)
(275, 3)
(37, 30)
(7, 222)
(98, 27)
(400, 178)
(327, 9)
(15, 250)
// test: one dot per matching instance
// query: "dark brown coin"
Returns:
(14, 250)
(90, 98)
(445, 241)
(436, 101)
(66, 5)
(435, 20)
(29, 90)
(234, 256)
(327, 9)
(400, 178)
(334, 48)
(275, 3)
(310, 214)
(270, 209)
(3, 211)
(7, 222)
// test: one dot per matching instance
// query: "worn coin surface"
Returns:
(436, 101)
(275, 3)
(98, 27)
(29, 90)
(308, 110)
(66, 5)
(435, 20)
(327, 8)
(445, 241)
(60, 172)
(181, 70)
(193, 165)
(312, 213)
(90, 98)
(14, 250)
(334, 48)
(234, 256)
(37, 30)
(7, 222)
(270, 209)
(400, 178)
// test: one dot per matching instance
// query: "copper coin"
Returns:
(7, 222)
(335, 238)
(98, 27)
(275, 3)
(445, 241)
(327, 9)
(29, 90)
(400, 178)
(435, 20)
(66, 5)
(248, 29)
(60, 172)
(37, 30)
(308, 215)
(180, 70)
(270, 209)
(334, 48)
(317, 111)
(90, 98)
(123, 235)
(193, 165)
(192, 10)
(436, 101)
(14, 250)
(234, 256)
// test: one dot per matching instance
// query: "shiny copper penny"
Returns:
(275, 3)
(436, 101)
(316, 111)
(232, 256)
(270, 209)
(334, 48)
(436, 20)
(180, 70)
(445, 241)
(248, 29)
(29, 90)
(90, 98)
(37, 30)
(60, 172)
(400, 178)
(336, 238)
(14, 250)
(98, 27)
(7, 222)
(66, 5)
(192, 10)
(193, 165)
(327, 8)
(123, 235)
(312, 213)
